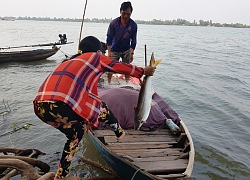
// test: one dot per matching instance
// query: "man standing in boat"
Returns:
(121, 37)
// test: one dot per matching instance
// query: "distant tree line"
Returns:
(178, 22)
(183, 22)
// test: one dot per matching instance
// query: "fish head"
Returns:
(138, 123)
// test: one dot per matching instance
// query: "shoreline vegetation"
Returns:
(178, 22)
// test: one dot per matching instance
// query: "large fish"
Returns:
(145, 98)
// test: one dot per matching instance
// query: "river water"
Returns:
(204, 77)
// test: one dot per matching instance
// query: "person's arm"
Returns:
(131, 55)
(109, 51)
(123, 68)
(133, 41)
(110, 36)
(133, 37)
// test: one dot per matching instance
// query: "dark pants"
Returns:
(61, 116)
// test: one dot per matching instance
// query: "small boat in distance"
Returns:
(31, 55)
(27, 55)
(6, 19)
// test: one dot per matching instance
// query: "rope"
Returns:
(80, 36)
(64, 53)
(136, 173)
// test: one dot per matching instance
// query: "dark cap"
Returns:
(90, 44)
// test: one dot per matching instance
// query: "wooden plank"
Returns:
(136, 132)
(148, 138)
(150, 159)
(103, 132)
(149, 154)
(186, 147)
(181, 140)
(178, 166)
(137, 143)
(157, 132)
(152, 151)
(123, 146)
(185, 155)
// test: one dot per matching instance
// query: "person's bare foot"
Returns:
(119, 138)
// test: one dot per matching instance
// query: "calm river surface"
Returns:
(204, 77)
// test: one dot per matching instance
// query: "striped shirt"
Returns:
(75, 81)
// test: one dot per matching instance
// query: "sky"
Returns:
(219, 11)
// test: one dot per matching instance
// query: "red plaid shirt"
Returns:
(74, 82)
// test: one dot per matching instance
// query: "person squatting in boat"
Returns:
(68, 98)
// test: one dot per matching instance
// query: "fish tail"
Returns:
(157, 62)
(154, 62)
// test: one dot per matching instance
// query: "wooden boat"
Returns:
(6, 19)
(27, 55)
(146, 155)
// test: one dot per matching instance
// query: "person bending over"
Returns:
(68, 98)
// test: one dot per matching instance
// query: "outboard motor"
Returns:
(63, 39)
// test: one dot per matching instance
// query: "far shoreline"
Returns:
(178, 22)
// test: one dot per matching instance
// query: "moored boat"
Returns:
(152, 153)
(27, 55)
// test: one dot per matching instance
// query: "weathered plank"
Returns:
(149, 154)
(124, 146)
(152, 151)
(150, 159)
(146, 138)
(156, 132)
(177, 166)
(181, 140)
(136, 132)
(137, 143)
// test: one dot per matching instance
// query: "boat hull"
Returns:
(147, 155)
(23, 56)
(151, 153)
(119, 165)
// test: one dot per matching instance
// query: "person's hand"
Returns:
(149, 70)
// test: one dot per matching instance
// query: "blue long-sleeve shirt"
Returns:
(121, 38)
